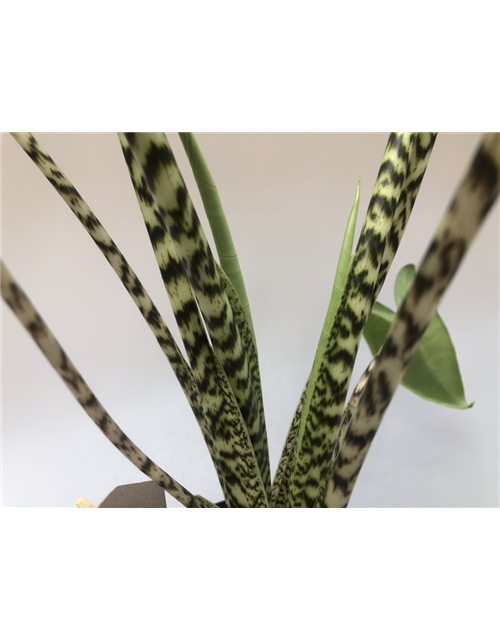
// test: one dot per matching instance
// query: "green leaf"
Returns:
(377, 326)
(287, 461)
(218, 223)
(318, 433)
(433, 372)
(402, 283)
(343, 263)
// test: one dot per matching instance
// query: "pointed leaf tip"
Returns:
(433, 373)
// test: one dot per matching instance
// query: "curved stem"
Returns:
(218, 222)
(26, 313)
(458, 228)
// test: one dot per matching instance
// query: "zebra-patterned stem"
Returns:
(119, 264)
(242, 480)
(259, 438)
(419, 159)
(424, 143)
(281, 482)
(181, 297)
(176, 208)
(230, 273)
(462, 220)
(317, 435)
(352, 404)
(420, 156)
(184, 305)
(218, 224)
(242, 477)
(26, 313)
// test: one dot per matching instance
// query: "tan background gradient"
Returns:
(287, 197)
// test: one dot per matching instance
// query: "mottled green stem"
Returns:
(235, 415)
(420, 156)
(29, 317)
(419, 160)
(458, 228)
(119, 264)
(284, 472)
(316, 440)
(335, 298)
(187, 315)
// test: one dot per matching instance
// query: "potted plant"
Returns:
(331, 433)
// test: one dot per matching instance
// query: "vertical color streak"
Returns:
(171, 574)
(35, 574)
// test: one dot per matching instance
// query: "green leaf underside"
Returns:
(433, 372)
(343, 264)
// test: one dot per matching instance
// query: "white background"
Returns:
(287, 198)
(412, 574)
(16, 570)
(423, 573)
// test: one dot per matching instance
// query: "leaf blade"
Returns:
(218, 222)
(463, 218)
(257, 431)
(286, 464)
(436, 354)
(318, 434)
(343, 263)
(179, 292)
(118, 263)
(433, 373)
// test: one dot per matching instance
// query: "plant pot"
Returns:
(270, 574)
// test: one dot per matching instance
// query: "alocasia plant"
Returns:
(330, 434)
